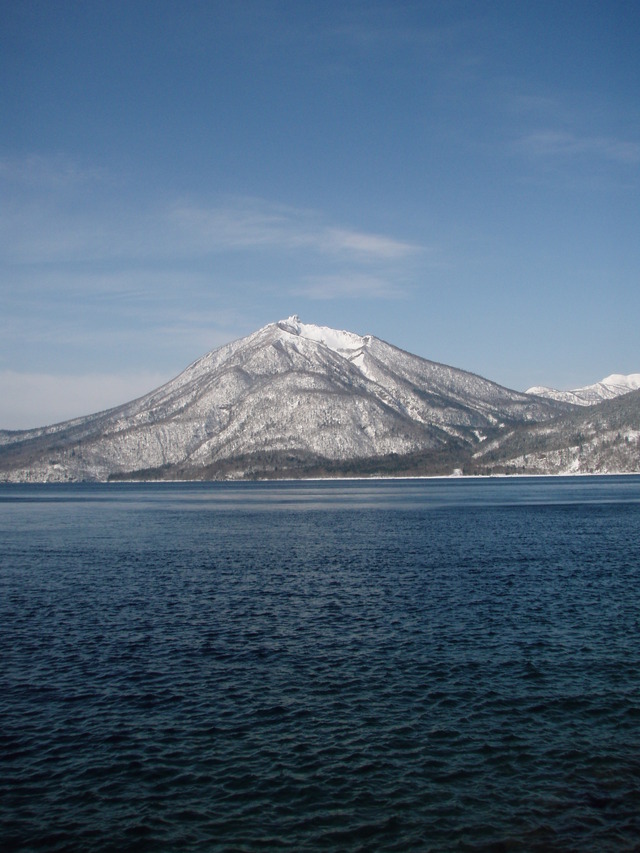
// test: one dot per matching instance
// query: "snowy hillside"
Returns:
(600, 439)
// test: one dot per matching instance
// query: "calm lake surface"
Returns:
(389, 665)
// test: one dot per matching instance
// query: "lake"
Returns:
(343, 665)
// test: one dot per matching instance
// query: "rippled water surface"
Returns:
(406, 665)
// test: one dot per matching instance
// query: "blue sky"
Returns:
(460, 179)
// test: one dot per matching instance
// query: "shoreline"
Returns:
(276, 480)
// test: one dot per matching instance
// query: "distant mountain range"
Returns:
(298, 400)
(608, 388)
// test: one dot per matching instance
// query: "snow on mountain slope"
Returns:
(607, 389)
(603, 438)
(289, 390)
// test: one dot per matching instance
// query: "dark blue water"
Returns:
(417, 665)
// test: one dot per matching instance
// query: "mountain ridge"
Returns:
(608, 388)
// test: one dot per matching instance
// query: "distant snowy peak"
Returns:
(624, 383)
(344, 343)
(611, 386)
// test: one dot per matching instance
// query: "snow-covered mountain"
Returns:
(607, 389)
(291, 398)
(600, 439)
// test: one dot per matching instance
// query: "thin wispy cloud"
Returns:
(350, 286)
(144, 302)
(257, 224)
(49, 223)
(528, 103)
(34, 171)
(388, 30)
(375, 246)
(561, 144)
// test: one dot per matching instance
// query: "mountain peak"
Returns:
(340, 341)
(619, 380)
